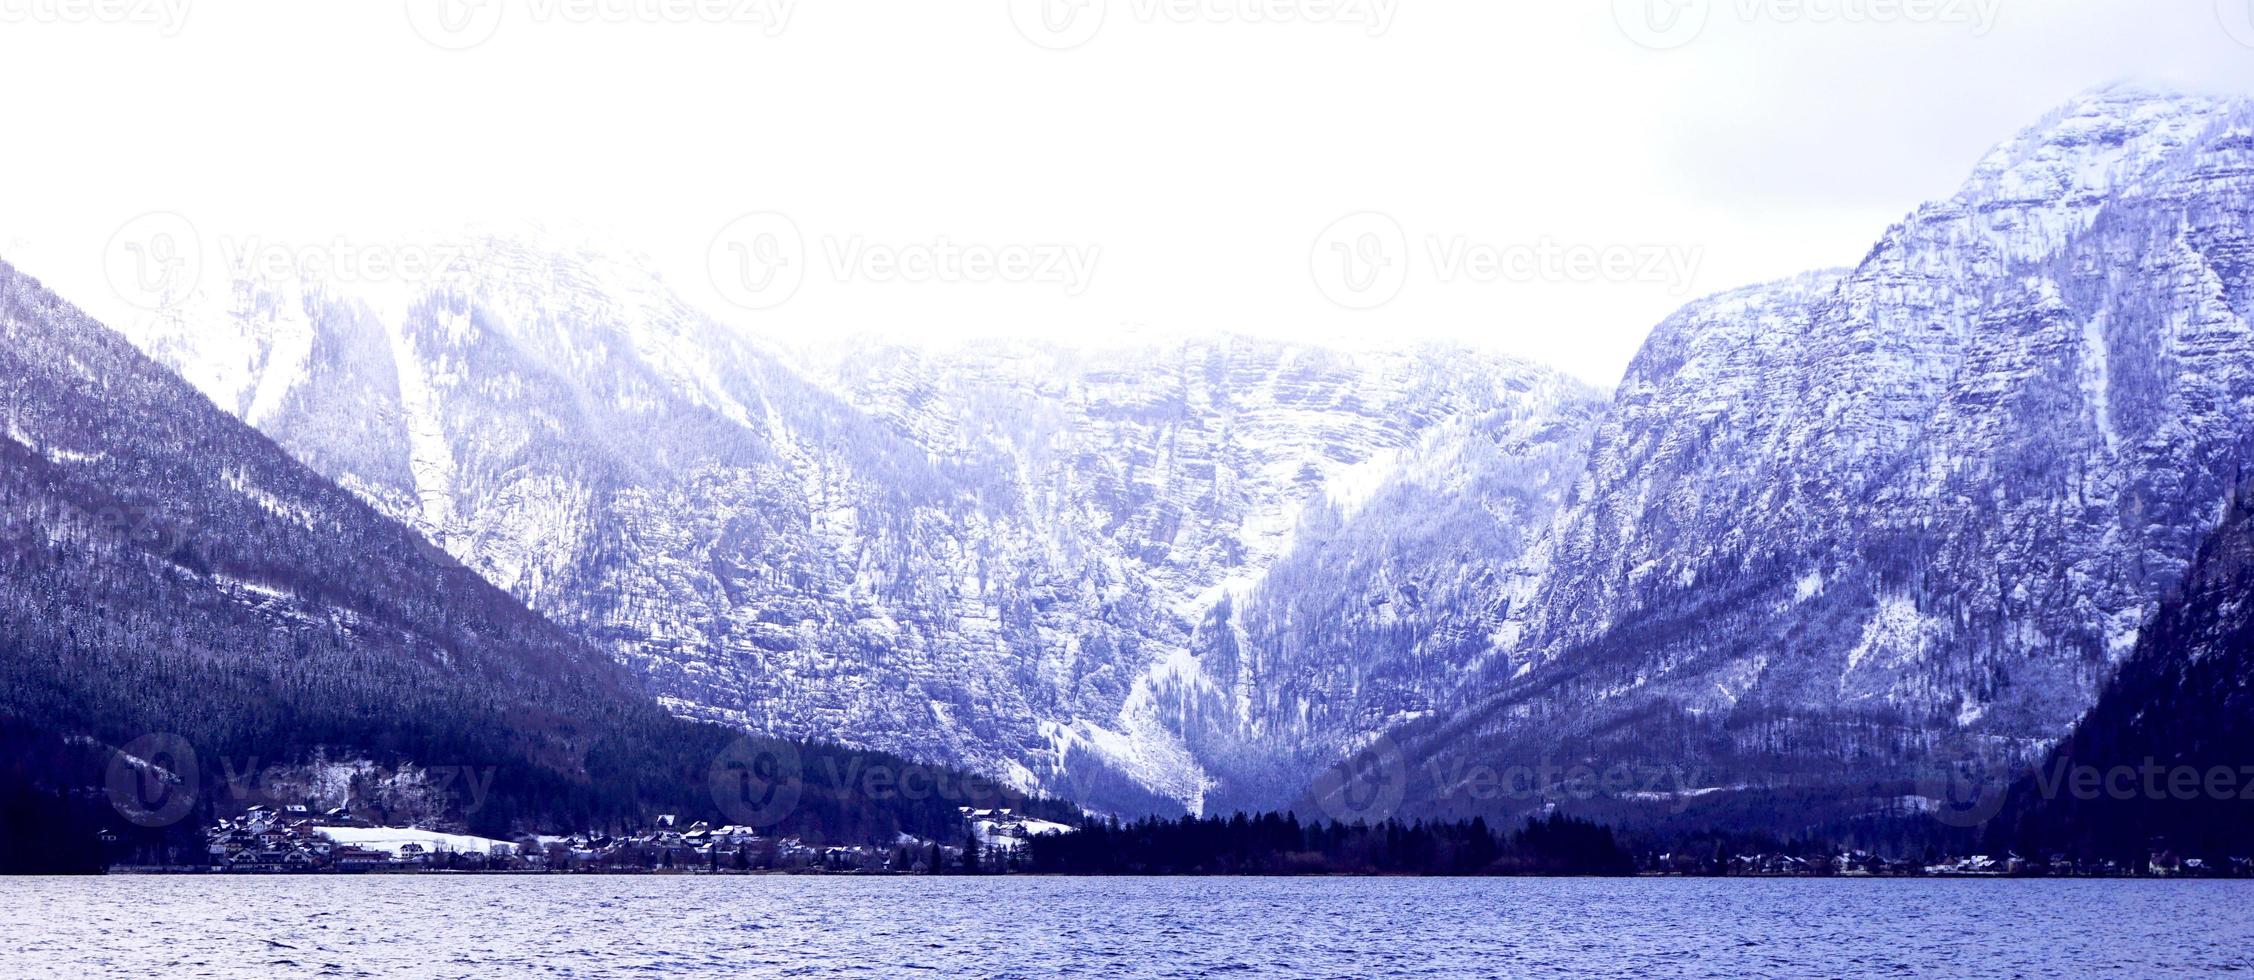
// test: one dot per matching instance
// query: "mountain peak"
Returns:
(2098, 141)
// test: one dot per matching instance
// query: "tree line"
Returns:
(1280, 844)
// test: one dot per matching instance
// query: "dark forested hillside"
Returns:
(2166, 759)
(170, 570)
(1277, 843)
(171, 578)
(1826, 531)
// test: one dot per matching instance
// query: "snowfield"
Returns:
(392, 839)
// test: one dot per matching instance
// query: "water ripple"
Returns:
(436, 926)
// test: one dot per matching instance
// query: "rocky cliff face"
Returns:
(1331, 533)
(1027, 559)
(1826, 527)
(1840, 523)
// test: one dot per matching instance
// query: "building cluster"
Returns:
(271, 839)
(2162, 863)
(1005, 831)
(297, 839)
(702, 847)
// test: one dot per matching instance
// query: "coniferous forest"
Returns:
(1279, 844)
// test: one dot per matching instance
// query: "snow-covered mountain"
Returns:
(169, 572)
(1335, 531)
(195, 622)
(1009, 556)
(1825, 528)
(1840, 523)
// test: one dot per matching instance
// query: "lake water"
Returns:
(473, 926)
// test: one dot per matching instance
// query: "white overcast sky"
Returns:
(1203, 157)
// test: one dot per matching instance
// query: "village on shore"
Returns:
(300, 840)
(2160, 863)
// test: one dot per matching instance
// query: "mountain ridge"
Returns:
(1838, 526)
(1823, 526)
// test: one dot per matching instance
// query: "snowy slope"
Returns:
(1334, 530)
(166, 569)
(1824, 527)
(1001, 557)
(1846, 521)
(563, 425)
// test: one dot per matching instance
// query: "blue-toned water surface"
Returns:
(665, 926)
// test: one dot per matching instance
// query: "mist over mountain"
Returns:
(1007, 557)
(171, 571)
(195, 622)
(1825, 528)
